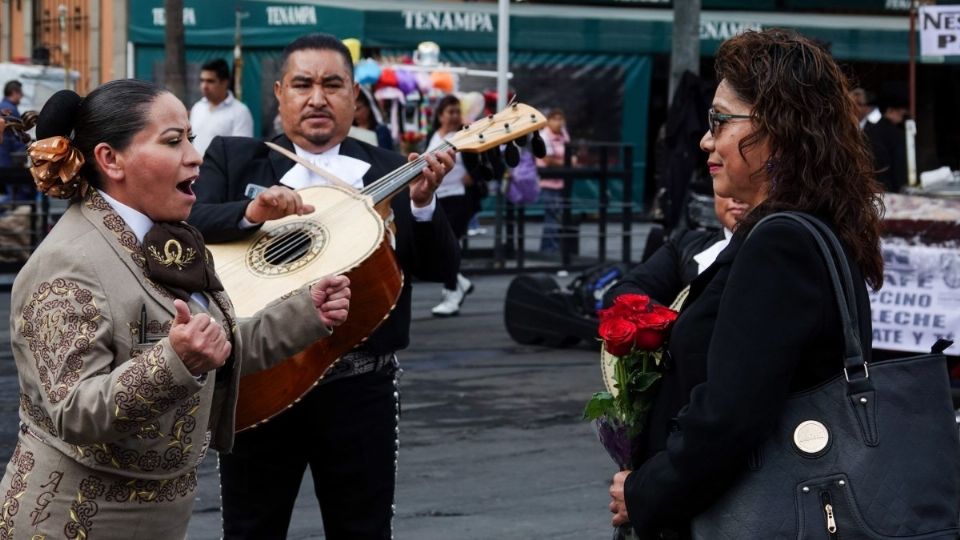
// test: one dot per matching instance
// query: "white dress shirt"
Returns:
(141, 224)
(706, 257)
(230, 117)
(346, 168)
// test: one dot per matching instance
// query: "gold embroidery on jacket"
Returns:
(37, 414)
(141, 402)
(153, 491)
(24, 462)
(145, 390)
(173, 254)
(84, 508)
(59, 325)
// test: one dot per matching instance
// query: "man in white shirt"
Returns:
(218, 112)
(867, 110)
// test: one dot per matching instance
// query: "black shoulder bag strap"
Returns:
(843, 293)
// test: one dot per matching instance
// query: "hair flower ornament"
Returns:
(56, 167)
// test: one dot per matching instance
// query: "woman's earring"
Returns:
(769, 167)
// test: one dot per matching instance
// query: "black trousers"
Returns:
(459, 211)
(346, 431)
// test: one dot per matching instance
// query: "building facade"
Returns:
(88, 36)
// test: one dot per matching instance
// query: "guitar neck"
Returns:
(389, 184)
(514, 122)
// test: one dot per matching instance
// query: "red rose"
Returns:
(618, 336)
(626, 306)
(652, 327)
(648, 339)
(635, 302)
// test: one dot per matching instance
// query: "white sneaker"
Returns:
(464, 285)
(450, 305)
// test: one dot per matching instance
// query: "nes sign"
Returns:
(940, 30)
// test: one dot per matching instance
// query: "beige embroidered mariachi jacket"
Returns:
(106, 405)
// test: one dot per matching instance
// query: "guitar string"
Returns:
(292, 240)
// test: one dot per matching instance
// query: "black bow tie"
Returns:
(178, 259)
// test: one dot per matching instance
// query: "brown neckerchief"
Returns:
(178, 260)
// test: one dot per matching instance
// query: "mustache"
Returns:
(317, 113)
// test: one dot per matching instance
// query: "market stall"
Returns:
(920, 298)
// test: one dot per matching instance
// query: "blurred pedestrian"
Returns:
(12, 94)
(368, 116)
(888, 141)
(551, 189)
(453, 196)
(867, 111)
(218, 113)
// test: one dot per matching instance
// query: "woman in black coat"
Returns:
(761, 321)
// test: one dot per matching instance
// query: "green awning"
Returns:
(273, 24)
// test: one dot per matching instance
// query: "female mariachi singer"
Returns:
(127, 349)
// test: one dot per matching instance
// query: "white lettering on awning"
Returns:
(722, 30)
(291, 15)
(449, 21)
(160, 18)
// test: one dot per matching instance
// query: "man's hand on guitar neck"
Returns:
(331, 298)
(424, 186)
(274, 203)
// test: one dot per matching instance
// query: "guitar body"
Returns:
(344, 235)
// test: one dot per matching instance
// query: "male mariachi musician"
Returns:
(345, 428)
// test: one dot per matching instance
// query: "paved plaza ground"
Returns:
(492, 444)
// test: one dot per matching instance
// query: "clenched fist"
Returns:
(199, 341)
(331, 298)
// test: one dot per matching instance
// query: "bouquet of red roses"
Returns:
(633, 331)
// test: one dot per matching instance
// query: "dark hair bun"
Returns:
(59, 114)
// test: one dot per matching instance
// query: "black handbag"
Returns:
(871, 454)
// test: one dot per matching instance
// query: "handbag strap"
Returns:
(843, 289)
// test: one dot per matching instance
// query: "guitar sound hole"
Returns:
(287, 248)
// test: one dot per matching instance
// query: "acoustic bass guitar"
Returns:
(346, 234)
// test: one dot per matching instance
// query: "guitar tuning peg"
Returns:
(484, 170)
(521, 141)
(494, 155)
(537, 145)
(470, 160)
(511, 155)
(474, 163)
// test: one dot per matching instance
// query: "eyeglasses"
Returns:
(715, 120)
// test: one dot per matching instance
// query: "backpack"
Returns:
(589, 287)
(524, 185)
